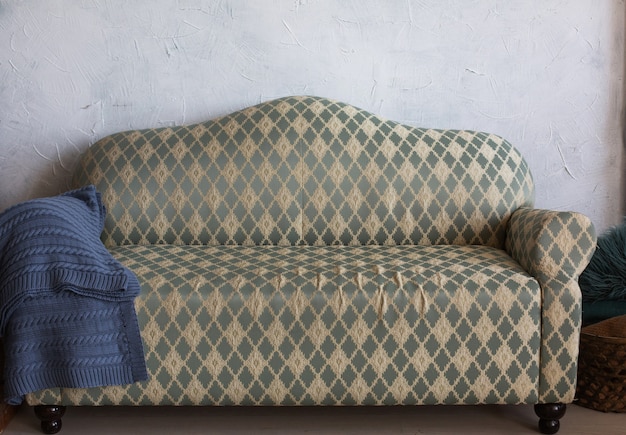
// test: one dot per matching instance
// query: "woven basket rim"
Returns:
(601, 366)
(613, 329)
(608, 340)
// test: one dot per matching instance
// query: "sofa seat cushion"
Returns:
(304, 325)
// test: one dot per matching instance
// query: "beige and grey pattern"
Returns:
(306, 252)
(555, 247)
(306, 171)
(336, 325)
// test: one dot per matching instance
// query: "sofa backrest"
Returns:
(306, 171)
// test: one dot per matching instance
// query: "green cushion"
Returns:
(331, 325)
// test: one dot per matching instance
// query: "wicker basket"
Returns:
(602, 366)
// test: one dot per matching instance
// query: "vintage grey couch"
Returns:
(306, 252)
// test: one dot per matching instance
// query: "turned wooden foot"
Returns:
(50, 416)
(549, 415)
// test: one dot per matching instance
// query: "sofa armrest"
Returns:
(555, 247)
(551, 244)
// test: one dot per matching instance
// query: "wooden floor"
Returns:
(425, 420)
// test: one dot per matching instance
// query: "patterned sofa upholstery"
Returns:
(306, 252)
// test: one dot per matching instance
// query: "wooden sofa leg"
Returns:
(50, 416)
(549, 415)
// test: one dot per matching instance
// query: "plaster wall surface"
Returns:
(546, 75)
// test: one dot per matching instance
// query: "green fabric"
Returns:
(555, 247)
(331, 325)
(442, 313)
(305, 170)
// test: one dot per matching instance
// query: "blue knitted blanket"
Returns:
(67, 313)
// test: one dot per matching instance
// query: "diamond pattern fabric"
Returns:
(303, 251)
(336, 325)
(555, 247)
(306, 170)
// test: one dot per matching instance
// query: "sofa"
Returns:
(304, 252)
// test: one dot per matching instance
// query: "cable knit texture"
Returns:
(66, 305)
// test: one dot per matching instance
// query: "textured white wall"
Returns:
(547, 75)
